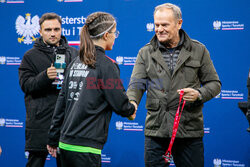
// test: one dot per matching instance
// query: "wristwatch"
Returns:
(199, 97)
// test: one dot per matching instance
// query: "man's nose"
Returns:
(160, 28)
(52, 33)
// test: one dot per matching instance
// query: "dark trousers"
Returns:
(188, 152)
(38, 158)
(78, 159)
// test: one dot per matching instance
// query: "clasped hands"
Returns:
(132, 117)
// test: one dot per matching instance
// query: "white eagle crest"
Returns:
(150, 27)
(27, 30)
(217, 25)
(119, 59)
(119, 125)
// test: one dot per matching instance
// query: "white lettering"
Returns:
(73, 20)
(80, 73)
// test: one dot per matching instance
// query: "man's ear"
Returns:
(180, 23)
(40, 31)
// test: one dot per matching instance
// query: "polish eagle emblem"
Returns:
(27, 28)
(150, 27)
(217, 24)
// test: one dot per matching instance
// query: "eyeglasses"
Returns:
(116, 33)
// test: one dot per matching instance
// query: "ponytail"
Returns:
(87, 48)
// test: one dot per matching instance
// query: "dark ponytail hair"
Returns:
(87, 48)
(95, 26)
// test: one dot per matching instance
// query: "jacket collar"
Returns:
(100, 49)
(39, 44)
(183, 56)
(186, 41)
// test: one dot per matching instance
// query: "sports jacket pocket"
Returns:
(191, 71)
(152, 119)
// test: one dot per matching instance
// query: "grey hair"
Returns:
(176, 9)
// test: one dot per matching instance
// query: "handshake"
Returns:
(132, 117)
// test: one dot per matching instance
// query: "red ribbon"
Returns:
(168, 155)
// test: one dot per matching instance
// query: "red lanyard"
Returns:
(168, 156)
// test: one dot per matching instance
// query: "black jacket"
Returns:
(85, 103)
(40, 94)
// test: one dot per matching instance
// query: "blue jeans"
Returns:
(186, 152)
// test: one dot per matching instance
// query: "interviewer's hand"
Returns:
(0, 150)
(190, 94)
(51, 72)
(132, 117)
(52, 150)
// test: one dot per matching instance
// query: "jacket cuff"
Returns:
(44, 79)
(53, 143)
(200, 100)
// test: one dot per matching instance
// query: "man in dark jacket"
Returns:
(40, 81)
(169, 63)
